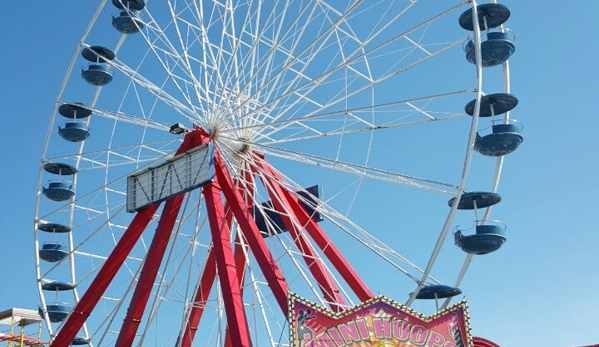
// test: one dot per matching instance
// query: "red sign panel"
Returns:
(379, 322)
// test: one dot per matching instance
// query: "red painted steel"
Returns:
(89, 300)
(202, 293)
(115, 260)
(240, 262)
(283, 203)
(209, 274)
(231, 265)
(149, 271)
(225, 263)
(243, 216)
(321, 239)
(480, 342)
(156, 250)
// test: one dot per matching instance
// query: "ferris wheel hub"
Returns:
(237, 145)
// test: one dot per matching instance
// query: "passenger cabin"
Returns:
(498, 46)
(490, 235)
(98, 72)
(506, 134)
(59, 189)
(74, 130)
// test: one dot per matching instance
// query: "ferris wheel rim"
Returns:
(226, 144)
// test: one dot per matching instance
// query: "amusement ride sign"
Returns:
(379, 322)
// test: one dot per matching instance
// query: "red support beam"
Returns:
(227, 272)
(240, 263)
(149, 271)
(97, 288)
(155, 253)
(116, 258)
(247, 191)
(205, 287)
(285, 204)
(321, 239)
(256, 243)
(202, 293)
(209, 274)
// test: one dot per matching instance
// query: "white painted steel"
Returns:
(363, 98)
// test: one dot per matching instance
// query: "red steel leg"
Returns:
(155, 255)
(209, 275)
(204, 288)
(97, 288)
(283, 204)
(149, 271)
(321, 239)
(243, 215)
(202, 294)
(227, 272)
(240, 265)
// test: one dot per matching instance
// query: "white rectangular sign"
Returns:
(182, 173)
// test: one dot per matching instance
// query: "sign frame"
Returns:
(378, 322)
(178, 175)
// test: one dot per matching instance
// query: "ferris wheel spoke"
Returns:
(344, 224)
(128, 118)
(179, 71)
(360, 171)
(347, 226)
(201, 91)
(301, 129)
(353, 58)
(389, 115)
(261, 70)
(281, 84)
(372, 83)
(226, 61)
(319, 108)
(258, 68)
(238, 93)
(152, 152)
(185, 110)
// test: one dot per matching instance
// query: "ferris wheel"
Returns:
(205, 159)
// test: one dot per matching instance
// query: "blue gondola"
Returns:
(74, 131)
(495, 50)
(53, 228)
(488, 238)
(504, 139)
(59, 190)
(80, 341)
(58, 286)
(60, 168)
(489, 16)
(499, 45)
(474, 200)
(74, 111)
(53, 252)
(308, 201)
(127, 22)
(98, 73)
(132, 5)
(437, 291)
(58, 312)
(492, 104)
(97, 54)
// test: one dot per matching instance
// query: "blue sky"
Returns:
(539, 289)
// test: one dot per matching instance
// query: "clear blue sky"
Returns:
(538, 290)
